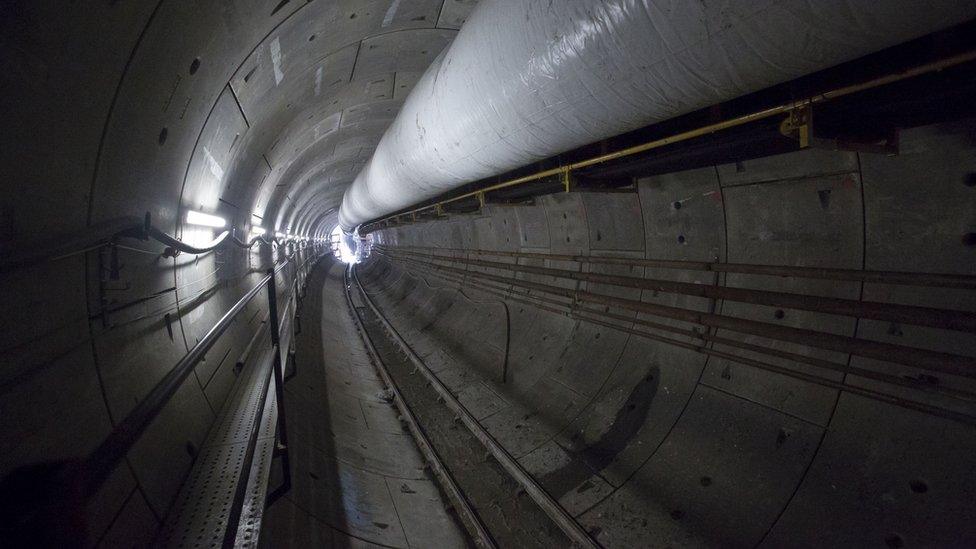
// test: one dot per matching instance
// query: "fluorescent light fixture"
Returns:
(207, 220)
(258, 231)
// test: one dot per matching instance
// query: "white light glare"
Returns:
(342, 250)
(207, 220)
(258, 231)
(279, 235)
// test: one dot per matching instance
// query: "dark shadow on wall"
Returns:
(590, 459)
(593, 458)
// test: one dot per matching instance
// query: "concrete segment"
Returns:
(263, 112)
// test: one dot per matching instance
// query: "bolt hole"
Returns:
(779, 314)
(310, 38)
(969, 239)
(163, 134)
(919, 486)
(195, 66)
(894, 541)
(676, 205)
(970, 180)
(706, 481)
(677, 514)
(681, 239)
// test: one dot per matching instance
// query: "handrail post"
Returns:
(282, 448)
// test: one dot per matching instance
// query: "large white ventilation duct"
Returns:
(527, 79)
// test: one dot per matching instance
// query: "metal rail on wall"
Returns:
(797, 124)
(76, 482)
(549, 505)
(699, 330)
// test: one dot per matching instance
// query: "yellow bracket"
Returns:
(481, 200)
(439, 210)
(799, 125)
(567, 181)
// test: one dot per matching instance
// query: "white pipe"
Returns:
(528, 79)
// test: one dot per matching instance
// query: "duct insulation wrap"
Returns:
(525, 79)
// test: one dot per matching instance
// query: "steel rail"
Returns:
(576, 533)
(782, 108)
(947, 319)
(901, 354)
(567, 310)
(574, 311)
(100, 463)
(461, 503)
(939, 280)
(103, 459)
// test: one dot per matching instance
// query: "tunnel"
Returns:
(496, 273)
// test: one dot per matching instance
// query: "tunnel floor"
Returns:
(504, 509)
(357, 476)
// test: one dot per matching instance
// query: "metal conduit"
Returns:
(936, 280)
(572, 310)
(908, 356)
(908, 314)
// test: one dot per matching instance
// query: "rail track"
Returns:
(497, 500)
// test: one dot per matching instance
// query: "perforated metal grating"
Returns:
(200, 515)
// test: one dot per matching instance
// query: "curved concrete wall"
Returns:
(270, 108)
(155, 106)
(650, 444)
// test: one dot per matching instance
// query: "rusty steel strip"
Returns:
(708, 337)
(546, 503)
(534, 301)
(962, 321)
(901, 354)
(901, 278)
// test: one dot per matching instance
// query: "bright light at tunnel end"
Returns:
(341, 249)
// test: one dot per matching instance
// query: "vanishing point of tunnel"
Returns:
(488, 273)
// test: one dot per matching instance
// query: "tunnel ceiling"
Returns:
(319, 92)
(267, 108)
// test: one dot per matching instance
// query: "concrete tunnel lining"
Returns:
(264, 112)
(651, 490)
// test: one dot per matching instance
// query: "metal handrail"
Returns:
(108, 233)
(98, 465)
